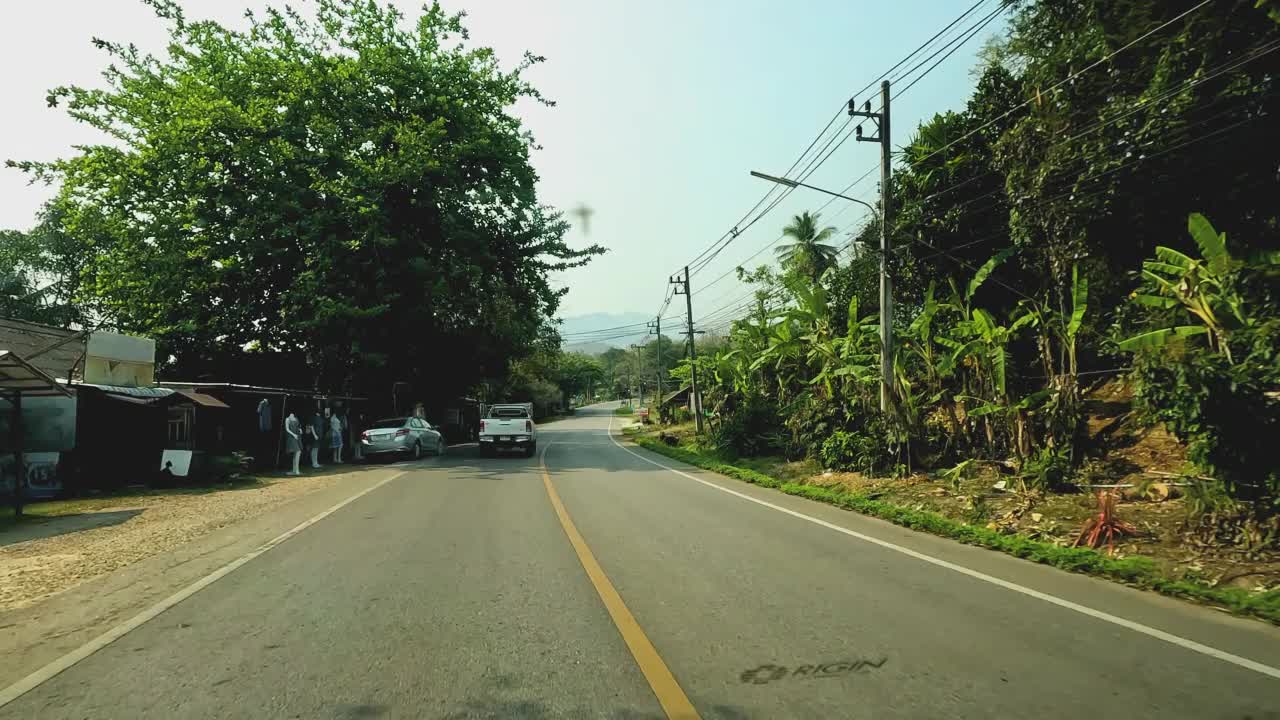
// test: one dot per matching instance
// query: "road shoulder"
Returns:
(1251, 639)
(41, 632)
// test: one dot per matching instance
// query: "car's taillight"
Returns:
(364, 435)
(481, 426)
(528, 426)
(402, 432)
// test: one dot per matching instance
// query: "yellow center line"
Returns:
(670, 696)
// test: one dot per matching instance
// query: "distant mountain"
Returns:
(594, 333)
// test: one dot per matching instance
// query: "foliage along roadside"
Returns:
(1136, 571)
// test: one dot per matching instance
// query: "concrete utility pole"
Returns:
(682, 288)
(656, 327)
(881, 120)
(639, 389)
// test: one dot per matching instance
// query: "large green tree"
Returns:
(350, 187)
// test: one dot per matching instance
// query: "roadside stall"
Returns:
(254, 418)
(129, 434)
(21, 381)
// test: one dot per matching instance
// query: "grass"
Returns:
(1136, 571)
(624, 410)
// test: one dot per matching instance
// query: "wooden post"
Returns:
(284, 407)
(19, 466)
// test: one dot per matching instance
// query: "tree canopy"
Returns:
(351, 188)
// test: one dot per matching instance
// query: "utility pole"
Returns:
(881, 120)
(639, 390)
(682, 288)
(656, 327)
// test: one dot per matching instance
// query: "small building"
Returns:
(254, 420)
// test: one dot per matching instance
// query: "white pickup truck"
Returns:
(508, 427)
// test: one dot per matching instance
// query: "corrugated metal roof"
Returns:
(18, 375)
(202, 399)
(256, 389)
(138, 392)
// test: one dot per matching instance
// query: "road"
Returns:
(613, 587)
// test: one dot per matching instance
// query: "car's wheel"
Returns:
(440, 446)
(417, 450)
(533, 450)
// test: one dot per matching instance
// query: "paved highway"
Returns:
(610, 586)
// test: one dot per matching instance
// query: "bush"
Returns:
(867, 449)
(1048, 469)
(750, 430)
(811, 423)
(1221, 410)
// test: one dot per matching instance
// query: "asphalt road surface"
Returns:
(613, 587)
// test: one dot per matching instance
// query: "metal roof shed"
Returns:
(18, 379)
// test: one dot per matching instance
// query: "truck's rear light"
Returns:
(402, 432)
(481, 426)
(364, 435)
(528, 426)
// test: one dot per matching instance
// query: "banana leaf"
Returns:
(985, 271)
(1213, 245)
(1155, 301)
(1158, 338)
(1173, 257)
(984, 410)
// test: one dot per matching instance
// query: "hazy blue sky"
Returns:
(662, 109)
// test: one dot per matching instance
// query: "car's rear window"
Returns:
(509, 412)
(388, 423)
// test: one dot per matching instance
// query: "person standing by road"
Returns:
(335, 436)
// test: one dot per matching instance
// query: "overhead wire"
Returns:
(1259, 51)
(735, 306)
(961, 42)
(716, 247)
(949, 47)
(1071, 77)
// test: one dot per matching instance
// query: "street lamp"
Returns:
(796, 183)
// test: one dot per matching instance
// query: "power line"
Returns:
(1255, 53)
(1067, 79)
(608, 329)
(737, 229)
(779, 239)
(722, 314)
(949, 47)
(977, 28)
(920, 49)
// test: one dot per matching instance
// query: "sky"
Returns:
(662, 109)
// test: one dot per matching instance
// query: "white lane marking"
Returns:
(1083, 610)
(35, 679)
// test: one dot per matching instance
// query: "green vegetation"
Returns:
(1136, 571)
(1020, 222)
(625, 410)
(345, 195)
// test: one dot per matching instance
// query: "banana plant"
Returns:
(1200, 286)
(850, 359)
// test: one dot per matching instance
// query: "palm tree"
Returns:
(810, 254)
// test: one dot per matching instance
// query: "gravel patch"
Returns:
(52, 556)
